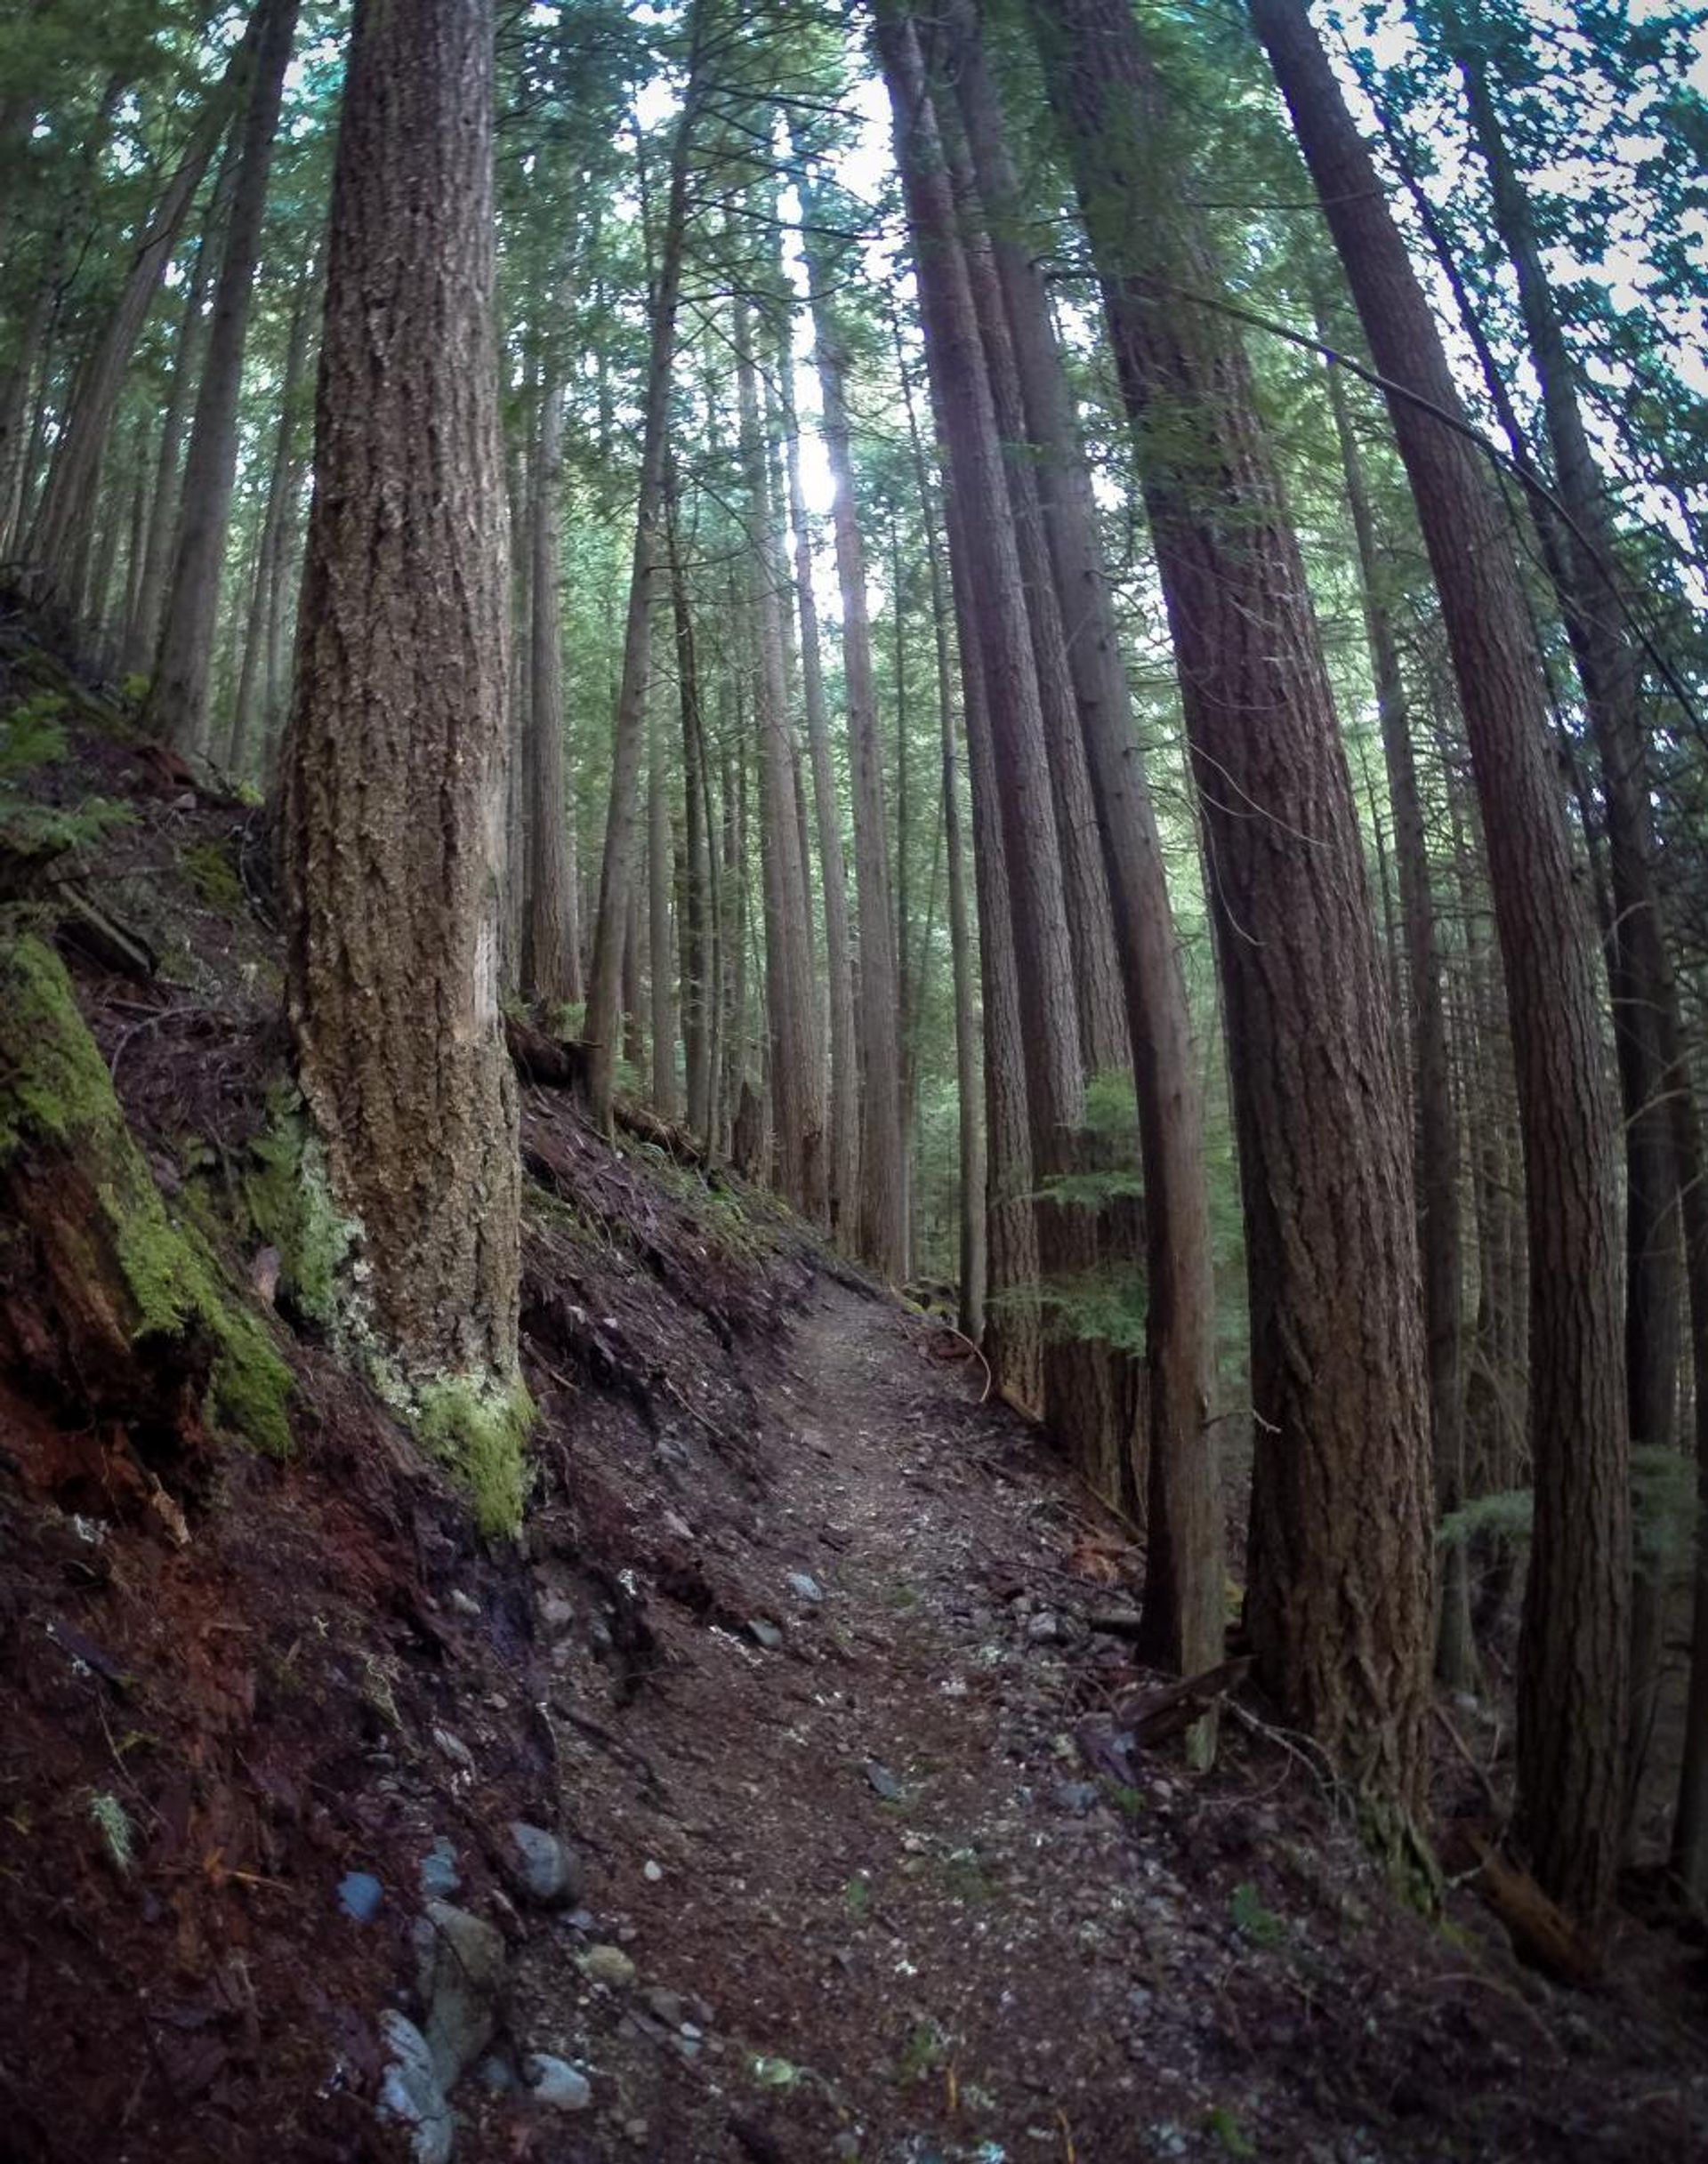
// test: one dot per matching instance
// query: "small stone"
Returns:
(805, 1587)
(1043, 1629)
(635, 2129)
(1075, 1797)
(765, 1634)
(581, 1919)
(359, 1895)
(464, 1603)
(550, 1871)
(439, 1877)
(606, 1963)
(454, 1749)
(667, 2007)
(556, 1612)
(555, 2083)
(411, 2092)
(497, 2074)
(677, 1526)
(882, 1781)
(652, 1871)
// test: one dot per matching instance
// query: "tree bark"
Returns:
(1338, 1601)
(616, 864)
(883, 1231)
(1436, 1126)
(394, 768)
(177, 706)
(1572, 1695)
(551, 931)
(796, 1081)
(1183, 1578)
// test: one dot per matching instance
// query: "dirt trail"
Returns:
(869, 1868)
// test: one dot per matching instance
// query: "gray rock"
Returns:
(454, 1749)
(556, 1612)
(608, 1964)
(439, 1877)
(765, 1634)
(1076, 1797)
(669, 2007)
(1043, 1629)
(411, 2093)
(359, 1895)
(464, 1603)
(555, 2083)
(882, 1781)
(806, 1586)
(497, 2074)
(550, 1871)
(462, 1973)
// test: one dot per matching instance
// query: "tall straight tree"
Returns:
(883, 1233)
(394, 768)
(551, 917)
(1572, 1689)
(1436, 1118)
(1653, 1076)
(178, 694)
(1183, 1577)
(1077, 1392)
(616, 862)
(1338, 1600)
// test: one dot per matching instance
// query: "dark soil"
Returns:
(895, 1880)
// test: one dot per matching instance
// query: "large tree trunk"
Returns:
(1436, 1124)
(1572, 1693)
(882, 1230)
(1339, 1595)
(1075, 1394)
(394, 769)
(551, 931)
(178, 695)
(699, 881)
(1183, 1580)
(1652, 1069)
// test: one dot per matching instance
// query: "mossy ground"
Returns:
(55, 1090)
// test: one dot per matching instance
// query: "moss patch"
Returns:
(480, 1430)
(289, 1201)
(55, 1092)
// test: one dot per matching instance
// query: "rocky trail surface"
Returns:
(862, 1884)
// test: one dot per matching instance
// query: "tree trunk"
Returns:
(882, 1230)
(65, 522)
(1338, 1600)
(616, 864)
(1645, 998)
(254, 684)
(550, 934)
(178, 696)
(394, 768)
(660, 973)
(1436, 1126)
(186, 374)
(844, 1158)
(699, 877)
(796, 1081)
(1572, 1691)
(1183, 1578)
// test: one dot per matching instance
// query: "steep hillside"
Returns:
(849, 1828)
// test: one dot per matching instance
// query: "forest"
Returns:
(853, 1045)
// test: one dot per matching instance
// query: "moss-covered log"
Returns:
(111, 1312)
